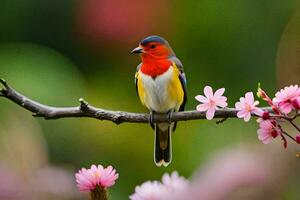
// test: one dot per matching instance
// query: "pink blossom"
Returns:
(88, 179)
(155, 190)
(108, 177)
(246, 106)
(267, 131)
(228, 172)
(211, 101)
(174, 184)
(150, 190)
(287, 98)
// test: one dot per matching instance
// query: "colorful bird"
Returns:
(161, 86)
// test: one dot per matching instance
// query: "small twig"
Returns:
(282, 117)
(285, 133)
(291, 137)
(294, 125)
(295, 115)
(221, 120)
(3, 82)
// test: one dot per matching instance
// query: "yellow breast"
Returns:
(163, 93)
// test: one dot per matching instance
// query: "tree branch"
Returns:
(86, 110)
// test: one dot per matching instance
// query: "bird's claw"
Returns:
(170, 116)
(151, 119)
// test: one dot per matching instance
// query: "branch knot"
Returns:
(3, 91)
(83, 104)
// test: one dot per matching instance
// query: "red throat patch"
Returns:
(154, 68)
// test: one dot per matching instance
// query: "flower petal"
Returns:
(219, 92)
(210, 113)
(258, 111)
(201, 98)
(286, 108)
(239, 105)
(249, 98)
(221, 101)
(202, 107)
(247, 117)
(208, 92)
(241, 114)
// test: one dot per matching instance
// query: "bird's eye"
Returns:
(152, 46)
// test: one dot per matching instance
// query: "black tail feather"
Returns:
(163, 146)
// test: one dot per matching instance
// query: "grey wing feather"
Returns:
(179, 66)
(138, 67)
(177, 62)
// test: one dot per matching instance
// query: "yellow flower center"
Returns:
(211, 102)
(248, 107)
(97, 174)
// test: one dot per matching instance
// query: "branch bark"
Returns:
(86, 110)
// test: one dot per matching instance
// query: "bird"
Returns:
(161, 87)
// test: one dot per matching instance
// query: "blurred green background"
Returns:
(58, 51)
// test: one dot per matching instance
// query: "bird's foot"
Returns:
(170, 115)
(151, 119)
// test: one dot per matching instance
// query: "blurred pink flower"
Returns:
(159, 191)
(246, 106)
(287, 98)
(267, 131)
(211, 101)
(10, 184)
(104, 20)
(229, 172)
(174, 182)
(89, 179)
(150, 190)
(26, 173)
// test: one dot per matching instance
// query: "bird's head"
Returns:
(154, 47)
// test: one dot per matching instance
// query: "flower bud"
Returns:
(284, 141)
(261, 94)
(265, 115)
(274, 133)
(298, 138)
(296, 104)
(274, 123)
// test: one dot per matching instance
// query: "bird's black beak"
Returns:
(137, 50)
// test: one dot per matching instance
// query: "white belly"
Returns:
(157, 97)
